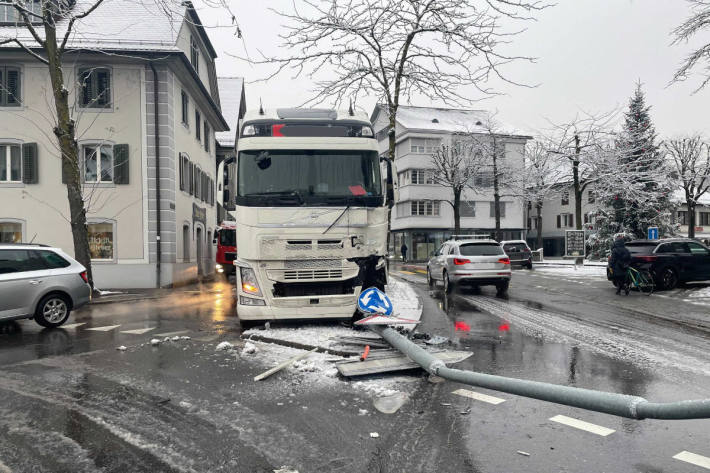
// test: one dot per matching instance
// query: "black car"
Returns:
(671, 261)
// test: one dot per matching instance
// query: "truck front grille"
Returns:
(323, 288)
(296, 274)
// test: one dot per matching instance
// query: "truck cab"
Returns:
(311, 213)
(225, 237)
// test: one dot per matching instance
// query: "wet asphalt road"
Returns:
(71, 402)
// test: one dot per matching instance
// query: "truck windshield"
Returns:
(227, 237)
(308, 177)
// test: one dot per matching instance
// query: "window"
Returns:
(10, 163)
(101, 240)
(697, 249)
(483, 179)
(481, 249)
(194, 54)
(467, 209)
(186, 243)
(95, 85)
(191, 178)
(565, 198)
(421, 176)
(10, 232)
(185, 102)
(10, 86)
(422, 145)
(50, 259)
(10, 16)
(198, 119)
(427, 208)
(197, 176)
(98, 163)
(704, 218)
(565, 221)
(683, 217)
(207, 137)
(492, 212)
(183, 166)
(591, 196)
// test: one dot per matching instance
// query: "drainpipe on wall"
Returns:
(157, 171)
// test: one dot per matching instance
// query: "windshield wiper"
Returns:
(280, 194)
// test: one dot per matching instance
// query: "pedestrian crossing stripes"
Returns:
(582, 425)
(693, 459)
(478, 396)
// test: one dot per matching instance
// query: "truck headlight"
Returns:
(219, 268)
(249, 283)
(243, 300)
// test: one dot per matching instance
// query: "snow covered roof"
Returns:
(450, 120)
(123, 25)
(231, 93)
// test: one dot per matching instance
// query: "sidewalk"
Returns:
(109, 296)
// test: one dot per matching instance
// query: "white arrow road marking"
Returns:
(104, 329)
(138, 331)
(478, 396)
(170, 334)
(693, 459)
(70, 326)
(581, 425)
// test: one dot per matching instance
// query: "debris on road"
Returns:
(223, 346)
(285, 469)
(525, 454)
(363, 357)
(121, 348)
(283, 365)
(249, 349)
(154, 341)
(374, 435)
(175, 338)
(436, 340)
(395, 362)
(362, 412)
(390, 404)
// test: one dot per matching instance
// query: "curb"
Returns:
(300, 346)
(98, 300)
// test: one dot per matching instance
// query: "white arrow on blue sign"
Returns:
(653, 233)
(374, 301)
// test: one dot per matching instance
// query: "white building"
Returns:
(422, 218)
(234, 107)
(123, 55)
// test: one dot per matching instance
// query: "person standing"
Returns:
(403, 249)
(619, 262)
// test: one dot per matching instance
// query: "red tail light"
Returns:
(647, 259)
(459, 261)
(84, 277)
(276, 130)
(504, 260)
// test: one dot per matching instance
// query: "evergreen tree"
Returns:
(639, 195)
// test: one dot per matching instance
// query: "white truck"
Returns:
(311, 213)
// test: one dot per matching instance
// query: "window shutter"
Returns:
(103, 80)
(120, 163)
(191, 179)
(559, 221)
(87, 90)
(13, 86)
(180, 172)
(30, 173)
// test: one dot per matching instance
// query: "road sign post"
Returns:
(653, 233)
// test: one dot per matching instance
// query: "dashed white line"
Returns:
(138, 331)
(71, 326)
(478, 396)
(170, 334)
(104, 329)
(582, 425)
(693, 459)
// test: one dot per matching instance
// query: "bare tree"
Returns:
(455, 167)
(540, 181)
(691, 159)
(696, 23)
(45, 31)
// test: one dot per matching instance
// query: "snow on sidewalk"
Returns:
(574, 272)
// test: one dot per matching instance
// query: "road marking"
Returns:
(405, 272)
(478, 396)
(103, 329)
(693, 459)
(139, 331)
(421, 271)
(71, 326)
(581, 425)
(170, 334)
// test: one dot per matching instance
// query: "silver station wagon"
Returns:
(470, 262)
(40, 283)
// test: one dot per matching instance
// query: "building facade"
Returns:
(422, 218)
(142, 87)
(234, 107)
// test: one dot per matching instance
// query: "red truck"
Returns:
(225, 236)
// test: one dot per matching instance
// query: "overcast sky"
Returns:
(590, 55)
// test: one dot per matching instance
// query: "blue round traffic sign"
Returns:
(374, 301)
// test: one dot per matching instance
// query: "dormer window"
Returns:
(194, 54)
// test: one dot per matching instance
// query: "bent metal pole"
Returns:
(633, 407)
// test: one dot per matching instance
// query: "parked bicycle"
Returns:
(640, 279)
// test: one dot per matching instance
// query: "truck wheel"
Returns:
(52, 311)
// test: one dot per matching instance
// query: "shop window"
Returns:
(101, 241)
(10, 232)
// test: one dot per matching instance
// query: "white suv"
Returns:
(471, 262)
(40, 283)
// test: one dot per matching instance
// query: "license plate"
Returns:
(485, 265)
